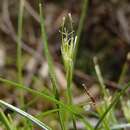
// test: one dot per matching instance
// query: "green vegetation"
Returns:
(64, 111)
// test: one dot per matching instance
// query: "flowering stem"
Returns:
(69, 90)
(69, 84)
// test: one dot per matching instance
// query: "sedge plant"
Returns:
(68, 51)
(69, 47)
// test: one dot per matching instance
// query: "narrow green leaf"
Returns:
(5, 121)
(120, 126)
(47, 53)
(19, 37)
(28, 116)
(114, 102)
(81, 25)
(71, 109)
(50, 64)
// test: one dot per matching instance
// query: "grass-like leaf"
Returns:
(24, 114)
(50, 64)
(47, 53)
(120, 126)
(4, 120)
(69, 108)
(81, 25)
(114, 102)
(19, 47)
(19, 37)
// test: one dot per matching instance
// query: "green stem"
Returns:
(69, 84)
(123, 73)
(114, 102)
(100, 77)
(50, 64)
(69, 90)
(47, 53)
(19, 48)
(70, 70)
(5, 121)
(81, 25)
